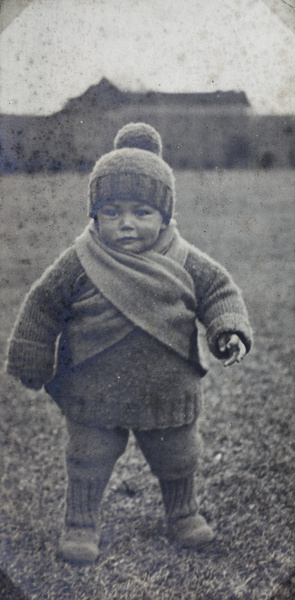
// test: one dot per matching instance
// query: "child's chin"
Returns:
(127, 246)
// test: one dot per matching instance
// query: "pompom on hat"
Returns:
(139, 135)
(134, 170)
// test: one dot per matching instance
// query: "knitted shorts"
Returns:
(92, 452)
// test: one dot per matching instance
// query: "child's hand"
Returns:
(234, 348)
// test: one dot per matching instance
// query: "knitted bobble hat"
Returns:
(135, 170)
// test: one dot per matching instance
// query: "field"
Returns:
(246, 478)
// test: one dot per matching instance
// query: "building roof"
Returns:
(108, 96)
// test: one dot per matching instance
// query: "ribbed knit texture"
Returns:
(179, 497)
(82, 503)
(132, 174)
(145, 189)
(31, 359)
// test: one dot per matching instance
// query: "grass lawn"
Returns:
(246, 479)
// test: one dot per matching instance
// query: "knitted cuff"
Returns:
(228, 323)
(30, 360)
(83, 499)
(179, 497)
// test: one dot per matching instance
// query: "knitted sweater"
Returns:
(138, 382)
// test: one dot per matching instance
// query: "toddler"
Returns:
(111, 330)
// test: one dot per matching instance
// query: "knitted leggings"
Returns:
(92, 453)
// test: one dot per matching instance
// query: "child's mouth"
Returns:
(127, 240)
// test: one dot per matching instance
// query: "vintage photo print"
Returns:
(147, 160)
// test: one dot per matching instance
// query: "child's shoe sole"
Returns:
(191, 532)
(79, 545)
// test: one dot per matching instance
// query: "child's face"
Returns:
(129, 226)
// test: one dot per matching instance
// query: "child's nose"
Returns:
(127, 221)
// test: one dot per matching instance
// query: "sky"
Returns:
(54, 50)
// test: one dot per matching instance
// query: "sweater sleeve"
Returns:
(220, 306)
(31, 347)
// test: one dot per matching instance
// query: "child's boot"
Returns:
(185, 525)
(79, 541)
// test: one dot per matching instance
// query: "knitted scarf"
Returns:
(152, 290)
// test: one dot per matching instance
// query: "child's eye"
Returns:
(110, 212)
(142, 212)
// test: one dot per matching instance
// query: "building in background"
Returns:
(199, 131)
